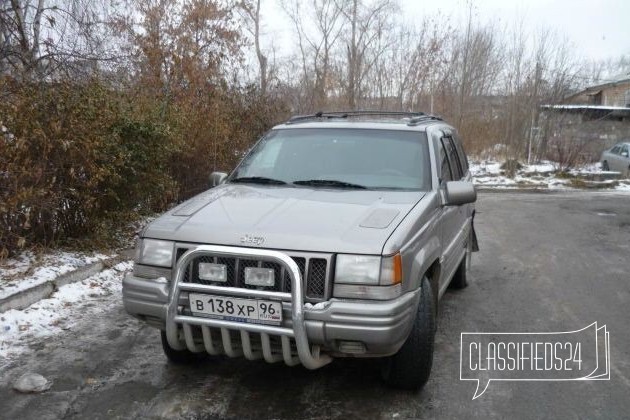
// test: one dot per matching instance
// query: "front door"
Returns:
(453, 223)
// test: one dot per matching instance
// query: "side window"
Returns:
(615, 150)
(624, 149)
(463, 160)
(453, 159)
(445, 171)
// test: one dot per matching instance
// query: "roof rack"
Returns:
(415, 118)
(346, 114)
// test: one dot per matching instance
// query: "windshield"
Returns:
(343, 157)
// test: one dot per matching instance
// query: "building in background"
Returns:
(615, 93)
(585, 123)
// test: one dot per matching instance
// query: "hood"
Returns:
(287, 218)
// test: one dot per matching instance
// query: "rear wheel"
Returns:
(605, 166)
(460, 281)
(411, 366)
(180, 357)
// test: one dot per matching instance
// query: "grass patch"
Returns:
(590, 185)
(565, 175)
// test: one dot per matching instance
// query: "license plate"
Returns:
(233, 309)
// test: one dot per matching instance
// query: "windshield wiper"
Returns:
(329, 183)
(258, 180)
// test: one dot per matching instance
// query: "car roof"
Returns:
(364, 119)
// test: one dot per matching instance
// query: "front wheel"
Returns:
(411, 366)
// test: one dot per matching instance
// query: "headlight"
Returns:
(155, 252)
(368, 270)
(357, 269)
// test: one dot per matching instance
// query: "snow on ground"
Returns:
(28, 269)
(61, 311)
(623, 187)
(488, 174)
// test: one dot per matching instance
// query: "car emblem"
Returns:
(254, 240)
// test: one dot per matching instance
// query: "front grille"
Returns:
(179, 253)
(286, 279)
(316, 284)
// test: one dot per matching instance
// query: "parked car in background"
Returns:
(617, 158)
(336, 236)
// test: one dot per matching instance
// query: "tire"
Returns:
(180, 357)
(411, 366)
(605, 166)
(459, 280)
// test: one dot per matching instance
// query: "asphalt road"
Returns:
(549, 262)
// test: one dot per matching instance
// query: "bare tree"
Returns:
(21, 27)
(46, 37)
(317, 43)
(367, 23)
(557, 75)
(405, 74)
(251, 9)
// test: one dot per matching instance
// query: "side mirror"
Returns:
(217, 178)
(460, 192)
(624, 154)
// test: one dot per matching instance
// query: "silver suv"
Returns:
(335, 236)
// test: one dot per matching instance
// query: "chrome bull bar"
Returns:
(307, 355)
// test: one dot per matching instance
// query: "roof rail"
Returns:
(347, 114)
(422, 118)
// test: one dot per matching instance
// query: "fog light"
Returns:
(213, 272)
(352, 347)
(255, 276)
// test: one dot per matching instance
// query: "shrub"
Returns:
(511, 167)
(75, 163)
(78, 161)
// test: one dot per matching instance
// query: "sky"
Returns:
(597, 29)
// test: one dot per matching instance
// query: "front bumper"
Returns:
(373, 328)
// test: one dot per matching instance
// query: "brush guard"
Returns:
(178, 323)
